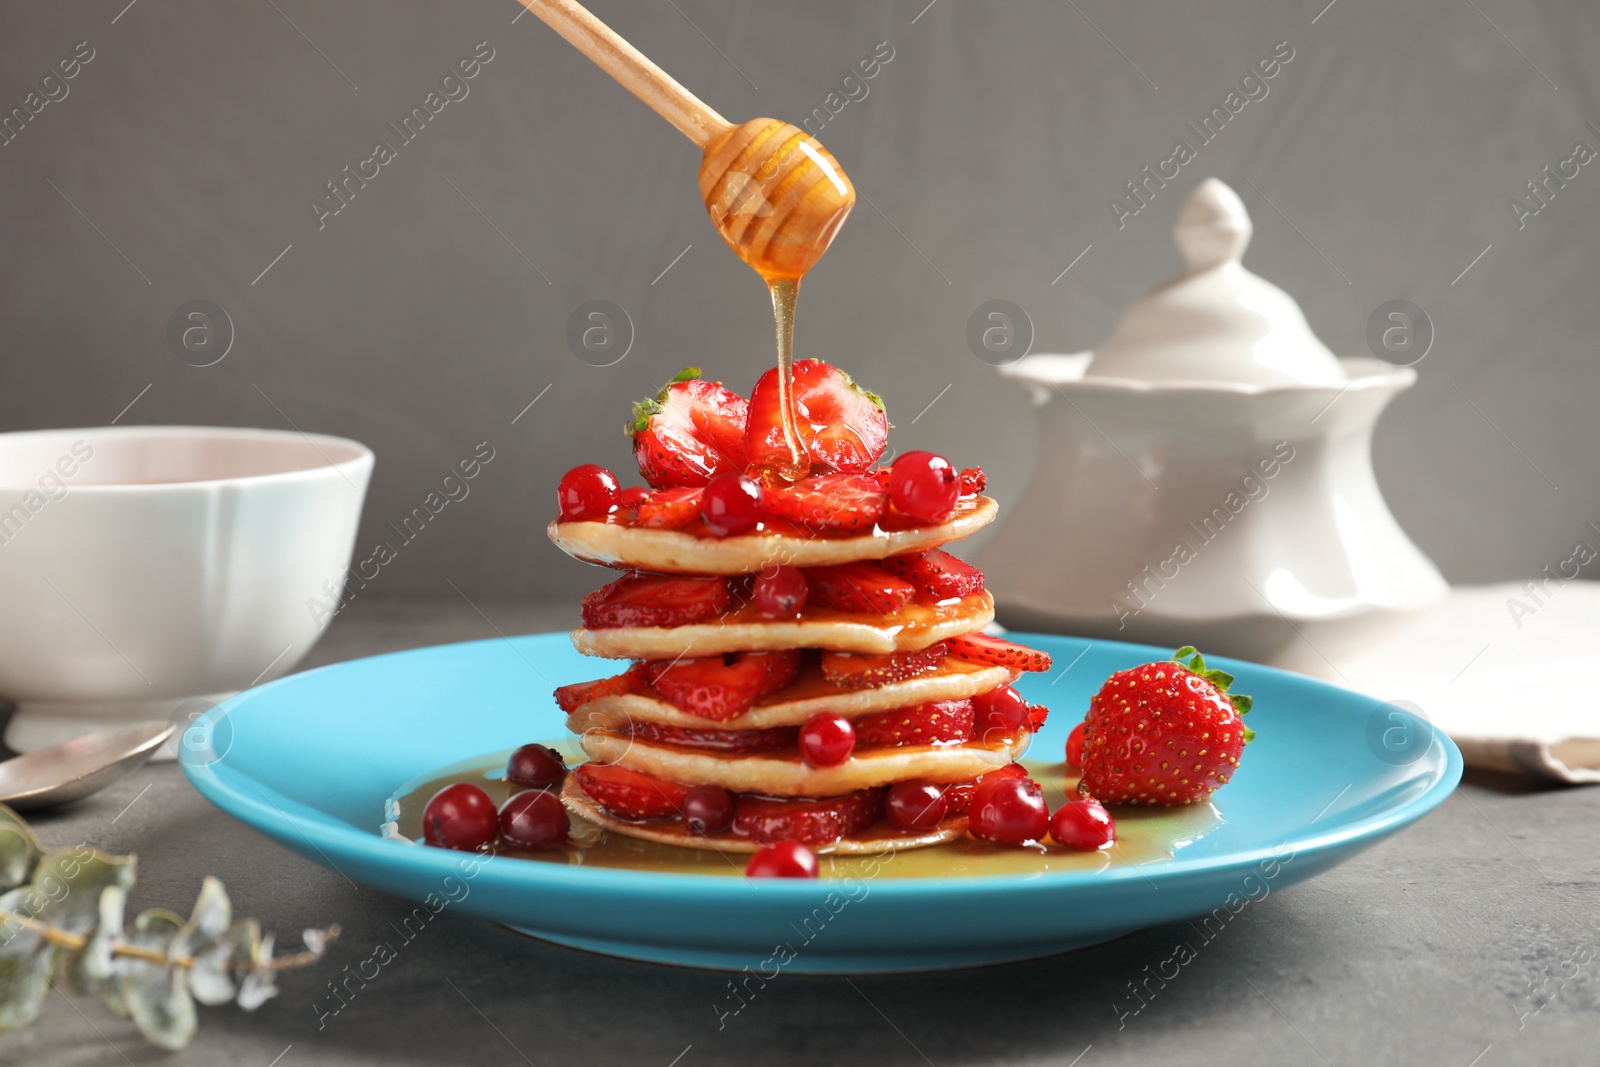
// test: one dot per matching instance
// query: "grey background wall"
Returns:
(428, 313)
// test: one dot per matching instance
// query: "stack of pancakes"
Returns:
(898, 664)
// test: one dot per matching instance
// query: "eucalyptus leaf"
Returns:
(26, 959)
(317, 941)
(92, 968)
(208, 922)
(245, 936)
(259, 985)
(26, 962)
(20, 906)
(211, 975)
(204, 939)
(19, 850)
(156, 995)
(71, 881)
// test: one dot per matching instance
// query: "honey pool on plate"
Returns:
(1144, 835)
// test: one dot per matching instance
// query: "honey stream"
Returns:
(784, 292)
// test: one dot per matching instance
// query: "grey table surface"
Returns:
(1465, 941)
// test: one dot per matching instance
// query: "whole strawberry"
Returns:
(1163, 733)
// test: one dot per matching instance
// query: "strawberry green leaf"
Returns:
(687, 374)
(1190, 658)
(868, 393)
(1249, 735)
(643, 412)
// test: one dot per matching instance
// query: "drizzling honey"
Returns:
(778, 198)
(775, 194)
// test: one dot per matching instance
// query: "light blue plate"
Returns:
(310, 759)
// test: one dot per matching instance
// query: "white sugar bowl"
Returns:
(1206, 476)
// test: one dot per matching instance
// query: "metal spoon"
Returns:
(73, 769)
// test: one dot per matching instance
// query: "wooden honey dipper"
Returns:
(774, 193)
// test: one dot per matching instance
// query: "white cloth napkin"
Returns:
(1509, 672)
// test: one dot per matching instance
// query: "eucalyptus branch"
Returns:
(62, 918)
(66, 939)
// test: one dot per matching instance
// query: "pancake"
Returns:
(914, 627)
(676, 552)
(783, 773)
(875, 838)
(808, 694)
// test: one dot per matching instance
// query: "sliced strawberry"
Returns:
(973, 481)
(1037, 714)
(981, 648)
(570, 698)
(630, 794)
(764, 740)
(811, 822)
(842, 426)
(668, 509)
(856, 670)
(691, 431)
(937, 573)
(959, 795)
(858, 587)
(721, 687)
(641, 599)
(920, 724)
(829, 503)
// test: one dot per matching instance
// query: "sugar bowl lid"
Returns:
(1216, 322)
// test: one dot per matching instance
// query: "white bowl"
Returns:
(144, 566)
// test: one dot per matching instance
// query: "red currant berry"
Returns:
(1009, 811)
(460, 816)
(730, 504)
(586, 492)
(708, 809)
(1075, 746)
(632, 497)
(827, 740)
(783, 859)
(533, 819)
(924, 486)
(998, 714)
(539, 766)
(1083, 824)
(916, 805)
(780, 592)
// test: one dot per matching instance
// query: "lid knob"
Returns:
(1213, 227)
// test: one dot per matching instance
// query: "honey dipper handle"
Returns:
(631, 69)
